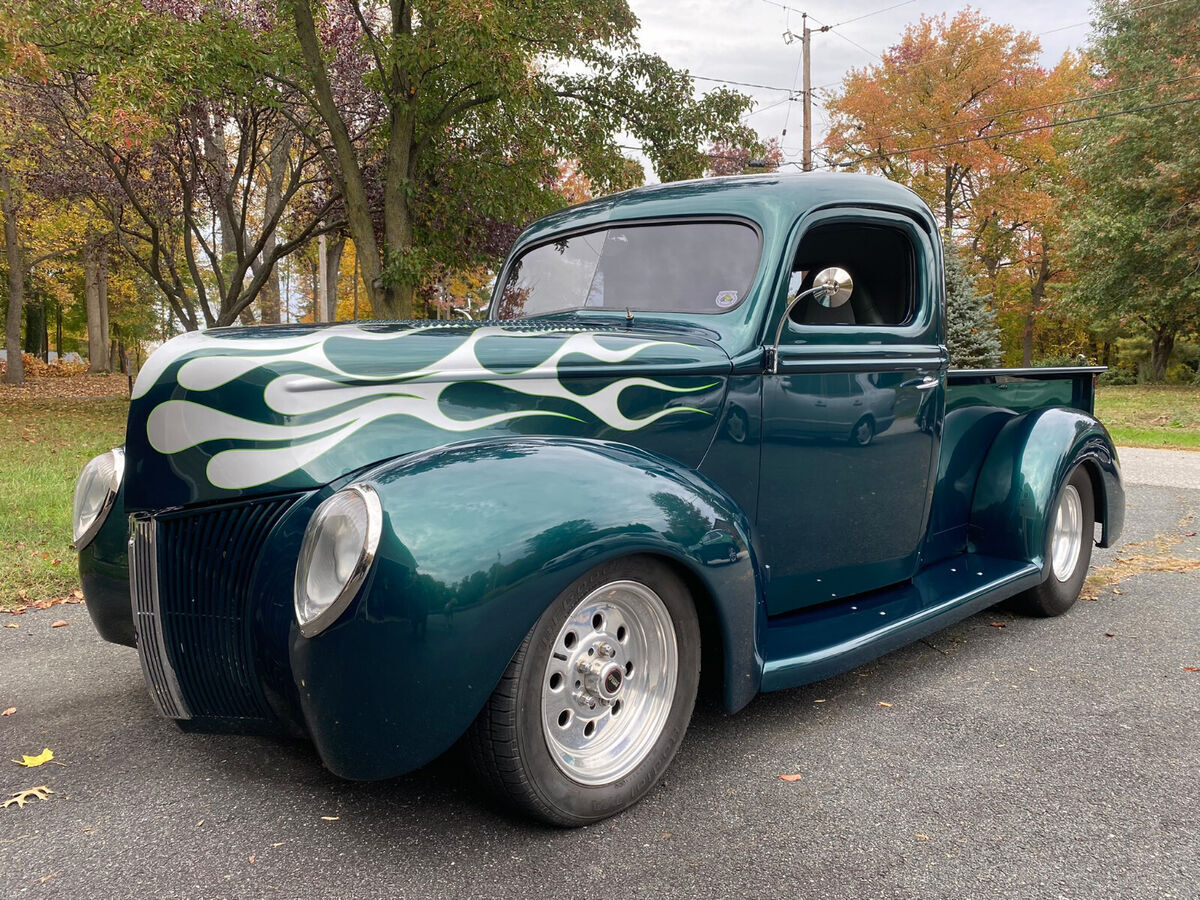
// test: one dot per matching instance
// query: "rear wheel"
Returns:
(595, 703)
(863, 432)
(1068, 550)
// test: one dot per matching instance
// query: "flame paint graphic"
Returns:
(177, 425)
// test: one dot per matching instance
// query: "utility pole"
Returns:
(805, 45)
(806, 56)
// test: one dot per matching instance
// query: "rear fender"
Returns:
(1026, 466)
(478, 538)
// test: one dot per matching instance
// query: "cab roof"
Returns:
(769, 199)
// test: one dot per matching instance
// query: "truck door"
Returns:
(852, 417)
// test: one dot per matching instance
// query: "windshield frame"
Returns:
(521, 250)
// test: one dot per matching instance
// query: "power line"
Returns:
(1015, 131)
(749, 84)
(875, 13)
(762, 109)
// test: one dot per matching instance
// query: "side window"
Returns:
(881, 260)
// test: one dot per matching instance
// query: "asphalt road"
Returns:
(1056, 758)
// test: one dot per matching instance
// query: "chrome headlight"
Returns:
(95, 490)
(336, 555)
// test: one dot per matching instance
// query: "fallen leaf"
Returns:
(49, 877)
(1189, 534)
(252, 858)
(9, 711)
(330, 818)
(1115, 591)
(818, 701)
(201, 822)
(22, 797)
(56, 562)
(59, 624)
(77, 594)
(11, 625)
(1109, 634)
(921, 837)
(666, 835)
(795, 777)
(1185, 668)
(30, 762)
(997, 624)
(881, 703)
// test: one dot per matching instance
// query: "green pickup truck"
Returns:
(708, 426)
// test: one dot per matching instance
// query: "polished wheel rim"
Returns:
(609, 683)
(1068, 534)
(862, 434)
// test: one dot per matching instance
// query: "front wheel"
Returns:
(595, 703)
(1068, 550)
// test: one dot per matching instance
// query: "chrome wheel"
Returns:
(609, 683)
(1067, 537)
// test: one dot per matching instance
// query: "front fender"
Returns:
(1026, 466)
(478, 538)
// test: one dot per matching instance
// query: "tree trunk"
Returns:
(949, 201)
(333, 268)
(281, 143)
(1037, 293)
(15, 372)
(105, 330)
(97, 336)
(35, 325)
(388, 301)
(1161, 344)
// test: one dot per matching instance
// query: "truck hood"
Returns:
(237, 412)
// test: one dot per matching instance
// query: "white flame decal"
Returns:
(176, 425)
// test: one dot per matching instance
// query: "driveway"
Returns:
(1004, 757)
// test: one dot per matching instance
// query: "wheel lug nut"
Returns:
(582, 667)
(606, 650)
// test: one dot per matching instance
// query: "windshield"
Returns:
(687, 267)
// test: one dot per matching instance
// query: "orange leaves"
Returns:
(794, 777)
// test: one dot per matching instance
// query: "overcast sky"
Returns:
(742, 40)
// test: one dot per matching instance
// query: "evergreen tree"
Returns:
(972, 335)
(1134, 234)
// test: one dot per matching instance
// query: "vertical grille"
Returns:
(202, 590)
(147, 620)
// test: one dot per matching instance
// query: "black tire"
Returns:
(1056, 594)
(863, 432)
(508, 746)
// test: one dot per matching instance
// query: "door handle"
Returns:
(928, 383)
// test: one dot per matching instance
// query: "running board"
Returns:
(825, 640)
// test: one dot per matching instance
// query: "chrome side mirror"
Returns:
(832, 288)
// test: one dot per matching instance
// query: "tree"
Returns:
(725, 158)
(961, 111)
(1135, 226)
(476, 105)
(972, 335)
(197, 162)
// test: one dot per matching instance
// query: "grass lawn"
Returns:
(52, 427)
(1151, 415)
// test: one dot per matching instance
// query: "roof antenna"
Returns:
(628, 316)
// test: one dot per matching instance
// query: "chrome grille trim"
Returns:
(147, 619)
